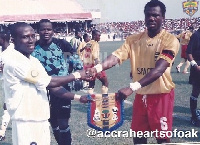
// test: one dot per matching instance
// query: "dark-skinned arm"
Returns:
(160, 67)
(60, 80)
(61, 92)
(82, 49)
(190, 58)
(155, 73)
(57, 81)
(109, 62)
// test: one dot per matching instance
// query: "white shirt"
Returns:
(25, 82)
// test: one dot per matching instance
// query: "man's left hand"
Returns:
(124, 93)
(85, 99)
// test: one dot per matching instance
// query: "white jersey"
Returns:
(25, 82)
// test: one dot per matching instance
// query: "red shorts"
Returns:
(155, 114)
(183, 51)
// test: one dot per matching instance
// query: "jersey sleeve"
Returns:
(66, 46)
(33, 74)
(123, 52)
(170, 47)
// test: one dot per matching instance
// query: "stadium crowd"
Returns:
(124, 29)
(127, 28)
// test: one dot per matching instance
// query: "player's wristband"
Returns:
(77, 75)
(77, 97)
(98, 67)
(193, 63)
(135, 86)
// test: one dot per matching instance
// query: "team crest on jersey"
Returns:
(34, 73)
(105, 113)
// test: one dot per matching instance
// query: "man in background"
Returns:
(193, 53)
(184, 38)
(4, 43)
(91, 58)
(86, 38)
(80, 51)
(75, 42)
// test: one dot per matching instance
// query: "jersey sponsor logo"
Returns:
(150, 45)
(143, 71)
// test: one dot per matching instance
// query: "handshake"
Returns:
(87, 75)
(91, 73)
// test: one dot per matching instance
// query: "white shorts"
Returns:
(30, 133)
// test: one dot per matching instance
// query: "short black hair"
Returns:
(85, 36)
(5, 35)
(77, 31)
(191, 28)
(43, 21)
(15, 26)
(94, 32)
(155, 3)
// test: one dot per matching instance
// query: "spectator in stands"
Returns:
(75, 42)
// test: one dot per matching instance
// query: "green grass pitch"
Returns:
(118, 78)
